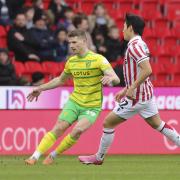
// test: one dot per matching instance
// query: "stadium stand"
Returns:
(162, 36)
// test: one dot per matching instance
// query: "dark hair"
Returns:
(98, 5)
(77, 33)
(4, 50)
(68, 9)
(37, 76)
(136, 22)
(78, 19)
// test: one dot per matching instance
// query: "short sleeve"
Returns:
(66, 69)
(104, 63)
(139, 52)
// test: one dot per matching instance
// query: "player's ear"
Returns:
(131, 28)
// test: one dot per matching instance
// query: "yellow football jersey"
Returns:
(87, 72)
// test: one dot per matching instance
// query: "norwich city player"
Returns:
(89, 72)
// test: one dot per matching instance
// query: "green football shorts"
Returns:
(73, 112)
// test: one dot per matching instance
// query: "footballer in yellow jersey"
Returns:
(89, 71)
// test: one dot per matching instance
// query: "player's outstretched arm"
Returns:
(58, 81)
(110, 78)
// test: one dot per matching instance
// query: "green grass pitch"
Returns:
(117, 167)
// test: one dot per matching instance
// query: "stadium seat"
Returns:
(148, 32)
(160, 23)
(46, 4)
(162, 32)
(149, 15)
(125, 6)
(166, 60)
(153, 45)
(51, 68)
(87, 6)
(32, 66)
(3, 37)
(170, 41)
(172, 10)
(176, 29)
(19, 68)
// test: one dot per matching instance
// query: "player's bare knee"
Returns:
(58, 130)
(76, 132)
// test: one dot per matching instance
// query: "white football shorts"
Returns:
(125, 109)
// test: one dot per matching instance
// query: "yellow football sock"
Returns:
(47, 141)
(65, 144)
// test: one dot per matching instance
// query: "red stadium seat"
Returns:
(125, 6)
(32, 66)
(51, 68)
(172, 10)
(19, 68)
(3, 37)
(176, 29)
(149, 15)
(160, 22)
(162, 32)
(166, 60)
(87, 7)
(147, 32)
(170, 41)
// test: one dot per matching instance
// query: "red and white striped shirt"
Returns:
(137, 52)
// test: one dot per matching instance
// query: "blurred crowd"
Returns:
(36, 34)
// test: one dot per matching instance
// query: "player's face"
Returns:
(126, 32)
(76, 44)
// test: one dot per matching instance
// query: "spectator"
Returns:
(100, 43)
(81, 22)
(38, 4)
(67, 21)
(100, 20)
(7, 71)
(19, 40)
(37, 79)
(113, 44)
(61, 48)
(29, 13)
(58, 7)
(9, 9)
(42, 37)
(4, 13)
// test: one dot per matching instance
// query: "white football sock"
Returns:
(36, 155)
(106, 141)
(169, 132)
(53, 154)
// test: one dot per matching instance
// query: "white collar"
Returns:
(134, 39)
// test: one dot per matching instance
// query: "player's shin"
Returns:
(65, 144)
(106, 141)
(169, 132)
(47, 141)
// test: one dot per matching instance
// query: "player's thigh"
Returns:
(112, 120)
(91, 114)
(122, 111)
(150, 113)
(69, 112)
(154, 121)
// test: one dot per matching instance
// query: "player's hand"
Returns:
(34, 95)
(120, 95)
(130, 93)
(107, 80)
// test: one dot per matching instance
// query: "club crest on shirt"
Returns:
(88, 64)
